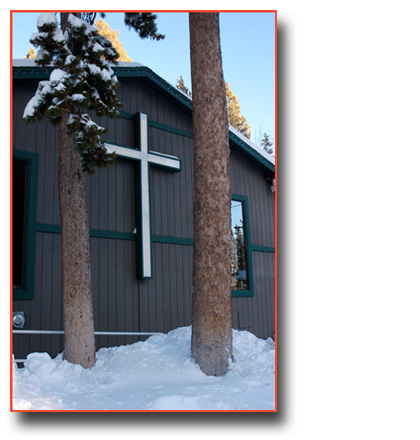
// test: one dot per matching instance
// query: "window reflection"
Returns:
(239, 276)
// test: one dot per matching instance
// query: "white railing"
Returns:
(61, 332)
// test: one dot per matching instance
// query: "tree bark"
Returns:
(211, 342)
(79, 339)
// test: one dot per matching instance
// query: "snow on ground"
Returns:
(157, 374)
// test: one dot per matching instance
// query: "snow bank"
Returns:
(157, 374)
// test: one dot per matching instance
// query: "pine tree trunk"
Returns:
(211, 343)
(79, 339)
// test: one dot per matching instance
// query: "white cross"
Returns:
(145, 157)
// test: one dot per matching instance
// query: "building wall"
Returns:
(121, 302)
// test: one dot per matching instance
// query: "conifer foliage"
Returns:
(236, 119)
(144, 23)
(31, 55)
(112, 35)
(180, 85)
(266, 144)
(82, 80)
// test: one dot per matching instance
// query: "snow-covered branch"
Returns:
(82, 80)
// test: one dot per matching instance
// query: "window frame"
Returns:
(248, 251)
(27, 292)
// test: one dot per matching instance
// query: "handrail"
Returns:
(61, 332)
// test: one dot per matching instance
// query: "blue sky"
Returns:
(248, 50)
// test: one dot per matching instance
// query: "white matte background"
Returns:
(352, 165)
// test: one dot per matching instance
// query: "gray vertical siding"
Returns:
(44, 311)
(121, 302)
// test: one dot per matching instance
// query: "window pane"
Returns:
(239, 263)
(20, 177)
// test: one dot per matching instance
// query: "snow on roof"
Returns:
(129, 64)
(31, 63)
(258, 149)
(23, 63)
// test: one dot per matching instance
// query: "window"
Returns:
(20, 186)
(24, 205)
(241, 258)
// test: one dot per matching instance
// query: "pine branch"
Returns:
(144, 24)
(82, 81)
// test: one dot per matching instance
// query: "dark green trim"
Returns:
(257, 248)
(52, 229)
(242, 293)
(31, 72)
(99, 233)
(251, 152)
(248, 242)
(116, 235)
(159, 125)
(126, 115)
(28, 291)
(172, 240)
(170, 129)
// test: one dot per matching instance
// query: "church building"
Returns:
(141, 220)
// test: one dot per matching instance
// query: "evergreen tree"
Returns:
(180, 85)
(266, 144)
(31, 54)
(235, 118)
(82, 81)
(211, 341)
(105, 30)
